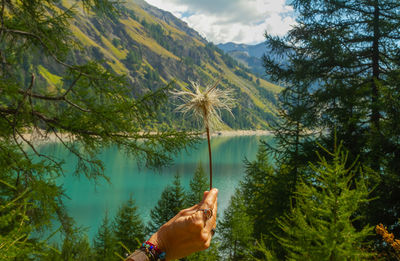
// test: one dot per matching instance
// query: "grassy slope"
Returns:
(170, 66)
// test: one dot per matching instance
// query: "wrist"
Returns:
(152, 251)
(156, 240)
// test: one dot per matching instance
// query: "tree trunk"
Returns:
(375, 114)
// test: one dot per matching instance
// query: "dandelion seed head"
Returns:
(205, 106)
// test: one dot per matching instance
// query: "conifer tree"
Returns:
(235, 229)
(161, 212)
(171, 202)
(14, 230)
(75, 247)
(128, 227)
(267, 193)
(198, 184)
(344, 55)
(104, 243)
(211, 254)
(292, 135)
(321, 226)
(89, 108)
(179, 195)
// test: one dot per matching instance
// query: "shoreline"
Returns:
(237, 133)
(51, 137)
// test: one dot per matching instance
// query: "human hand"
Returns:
(189, 231)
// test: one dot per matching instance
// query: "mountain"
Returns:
(256, 51)
(248, 55)
(152, 47)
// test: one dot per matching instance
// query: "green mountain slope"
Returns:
(152, 47)
(248, 55)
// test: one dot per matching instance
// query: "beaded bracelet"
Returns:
(152, 251)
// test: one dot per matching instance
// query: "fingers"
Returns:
(210, 199)
(208, 243)
(197, 211)
(205, 193)
(211, 223)
(210, 202)
(191, 208)
(194, 208)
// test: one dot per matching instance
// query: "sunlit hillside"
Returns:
(152, 47)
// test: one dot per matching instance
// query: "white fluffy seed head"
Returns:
(205, 106)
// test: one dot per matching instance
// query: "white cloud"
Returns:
(240, 21)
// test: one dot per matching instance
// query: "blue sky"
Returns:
(239, 21)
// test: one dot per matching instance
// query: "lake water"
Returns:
(88, 202)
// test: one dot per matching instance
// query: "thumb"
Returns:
(205, 193)
(210, 198)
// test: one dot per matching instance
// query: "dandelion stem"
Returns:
(206, 106)
(209, 154)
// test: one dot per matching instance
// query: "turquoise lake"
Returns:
(88, 202)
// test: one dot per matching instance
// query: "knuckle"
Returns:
(204, 242)
(198, 217)
(206, 245)
(198, 225)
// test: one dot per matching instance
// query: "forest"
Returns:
(328, 188)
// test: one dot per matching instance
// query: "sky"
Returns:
(239, 21)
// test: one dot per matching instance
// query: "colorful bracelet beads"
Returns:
(152, 251)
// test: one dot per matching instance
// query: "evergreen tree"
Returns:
(133, 59)
(267, 193)
(104, 243)
(14, 231)
(161, 212)
(35, 35)
(128, 227)
(179, 195)
(198, 184)
(293, 139)
(291, 151)
(211, 254)
(235, 229)
(321, 226)
(75, 247)
(171, 202)
(344, 55)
